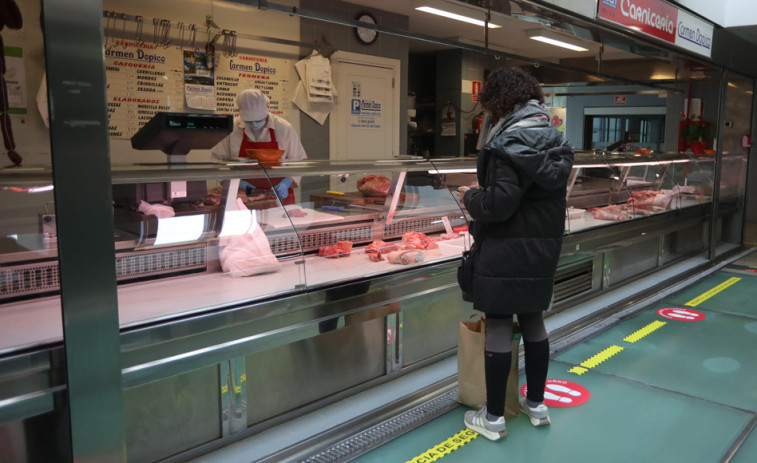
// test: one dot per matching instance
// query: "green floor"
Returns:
(685, 391)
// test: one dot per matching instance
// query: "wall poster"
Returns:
(240, 72)
(141, 80)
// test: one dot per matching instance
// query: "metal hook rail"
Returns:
(163, 29)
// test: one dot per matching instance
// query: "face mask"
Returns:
(254, 125)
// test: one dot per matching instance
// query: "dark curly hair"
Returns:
(507, 87)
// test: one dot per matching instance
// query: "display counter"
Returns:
(222, 288)
(217, 244)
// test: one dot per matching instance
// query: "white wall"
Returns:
(243, 19)
(31, 135)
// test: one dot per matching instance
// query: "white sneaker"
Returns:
(539, 415)
(492, 430)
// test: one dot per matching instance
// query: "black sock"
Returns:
(496, 369)
(537, 363)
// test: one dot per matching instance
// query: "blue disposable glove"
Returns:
(282, 189)
(246, 186)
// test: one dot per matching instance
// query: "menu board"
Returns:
(240, 72)
(143, 79)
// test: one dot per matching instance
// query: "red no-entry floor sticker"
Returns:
(686, 315)
(561, 393)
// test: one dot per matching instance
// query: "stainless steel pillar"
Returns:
(73, 34)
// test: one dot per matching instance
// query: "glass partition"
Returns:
(199, 233)
(29, 272)
(356, 219)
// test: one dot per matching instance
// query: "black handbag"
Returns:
(465, 273)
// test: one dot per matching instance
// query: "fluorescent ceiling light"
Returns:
(459, 17)
(554, 39)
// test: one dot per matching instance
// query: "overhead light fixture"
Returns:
(554, 39)
(457, 16)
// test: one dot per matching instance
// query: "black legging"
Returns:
(498, 355)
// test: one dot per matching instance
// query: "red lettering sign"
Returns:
(620, 100)
(653, 17)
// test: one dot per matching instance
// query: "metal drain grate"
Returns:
(383, 432)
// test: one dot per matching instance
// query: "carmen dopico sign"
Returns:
(662, 20)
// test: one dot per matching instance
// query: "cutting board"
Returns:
(274, 217)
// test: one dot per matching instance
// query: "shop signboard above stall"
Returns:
(661, 20)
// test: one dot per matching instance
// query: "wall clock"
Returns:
(366, 35)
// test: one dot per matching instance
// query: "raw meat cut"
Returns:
(406, 257)
(342, 249)
(374, 185)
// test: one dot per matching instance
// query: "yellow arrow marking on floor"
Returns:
(601, 357)
(446, 447)
(595, 360)
(722, 286)
(637, 335)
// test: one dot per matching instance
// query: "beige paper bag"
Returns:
(471, 383)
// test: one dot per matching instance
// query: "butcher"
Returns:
(257, 128)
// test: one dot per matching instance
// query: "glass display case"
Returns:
(238, 244)
(617, 187)
(203, 235)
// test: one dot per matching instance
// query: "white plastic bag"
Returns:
(249, 253)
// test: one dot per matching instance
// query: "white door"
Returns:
(367, 120)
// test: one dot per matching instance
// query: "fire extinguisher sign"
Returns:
(475, 88)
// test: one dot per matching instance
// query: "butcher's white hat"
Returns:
(253, 105)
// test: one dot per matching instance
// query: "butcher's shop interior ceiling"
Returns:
(595, 51)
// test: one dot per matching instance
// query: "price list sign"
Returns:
(240, 72)
(141, 79)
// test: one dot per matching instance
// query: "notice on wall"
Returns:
(199, 91)
(365, 113)
(15, 79)
(141, 80)
(240, 72)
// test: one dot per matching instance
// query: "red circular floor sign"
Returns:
(561, 393)
(685, 315)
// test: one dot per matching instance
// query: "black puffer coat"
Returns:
(519, 213)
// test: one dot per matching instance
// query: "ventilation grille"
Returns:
(43, 277)
(142, 264)
(29, 279)
(573, 279)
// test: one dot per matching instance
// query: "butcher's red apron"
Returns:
(260, 183)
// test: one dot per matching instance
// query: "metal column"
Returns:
(73, 33)
(712, 254)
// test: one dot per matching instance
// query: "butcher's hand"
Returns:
(282, 189)
(247, 187)
(461, 191)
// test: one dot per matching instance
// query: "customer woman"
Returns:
(518, 211)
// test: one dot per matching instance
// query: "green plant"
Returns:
(697, 132)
